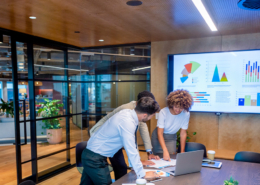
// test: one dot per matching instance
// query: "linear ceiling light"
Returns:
(199, 5)
(61, 68)
(141, 68)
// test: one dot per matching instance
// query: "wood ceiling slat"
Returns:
(117, 23)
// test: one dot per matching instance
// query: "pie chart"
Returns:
(189, 68)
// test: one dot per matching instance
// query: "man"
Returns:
(118, 160)
(117, 132)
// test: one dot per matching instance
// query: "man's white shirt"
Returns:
(117, 132)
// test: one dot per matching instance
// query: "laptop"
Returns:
(188, 162)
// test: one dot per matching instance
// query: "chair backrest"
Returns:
(28, 182)
(79, 149)
(191, 146)
(244, 156)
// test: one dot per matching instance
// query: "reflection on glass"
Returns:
(47, 92)
(74, 63)
(22, 64)
(6, 60)
(52, 161)
(43, 138)
(23, 95)
(48, 63)
(104, 67)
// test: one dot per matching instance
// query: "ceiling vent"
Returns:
(249, 4)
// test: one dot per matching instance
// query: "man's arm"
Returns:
(103, 120)
(144, 132)
(128, 139)
(183, 134)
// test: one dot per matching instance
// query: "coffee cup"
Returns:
(211, 154)
(140, 182)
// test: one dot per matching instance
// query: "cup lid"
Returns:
(140, 181)
(211, 152)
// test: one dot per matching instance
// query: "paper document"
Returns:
(158, 172)
(162, 163)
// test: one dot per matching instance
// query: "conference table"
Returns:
(245, 173)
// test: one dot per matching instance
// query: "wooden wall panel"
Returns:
(232, 131)
(206, 126)
(239, 132)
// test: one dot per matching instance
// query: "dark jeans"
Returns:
(95, 170)
(119, 165)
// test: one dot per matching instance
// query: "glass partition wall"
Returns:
(57, 91)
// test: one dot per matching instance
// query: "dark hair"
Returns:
(145, 94)
(147, 105)
(180, 98)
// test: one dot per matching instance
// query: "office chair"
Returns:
(191, 146)
(245, 156)
(79, 149)
(28, 182)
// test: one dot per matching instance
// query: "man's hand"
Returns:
(151, 156)
(150, 175)
(145, 163)
(166, 156)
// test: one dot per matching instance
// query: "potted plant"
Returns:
(8, 108)
(51, 108)
(179, 138)
(231, 181)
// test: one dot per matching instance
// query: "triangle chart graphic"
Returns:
(224, 78)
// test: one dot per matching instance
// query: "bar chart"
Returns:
(200, 97)
(252, 72)
(248, 99)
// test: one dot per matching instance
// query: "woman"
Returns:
(172, 118)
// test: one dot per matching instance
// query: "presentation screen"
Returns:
(218, 82)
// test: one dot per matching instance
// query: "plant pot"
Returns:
(54, 136)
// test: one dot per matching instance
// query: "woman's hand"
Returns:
(166, 156)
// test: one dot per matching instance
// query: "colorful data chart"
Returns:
(189, 68)
(248, 101)
(200, 97)
(252, 72)
(216, 76)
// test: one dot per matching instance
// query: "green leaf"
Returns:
(46, 99)
(194, 133)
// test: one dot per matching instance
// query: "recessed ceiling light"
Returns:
(199, 5)
(101, 40)
(1, 42)
(32, 17)
(134, 3)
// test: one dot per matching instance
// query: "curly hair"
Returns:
(180, 98)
